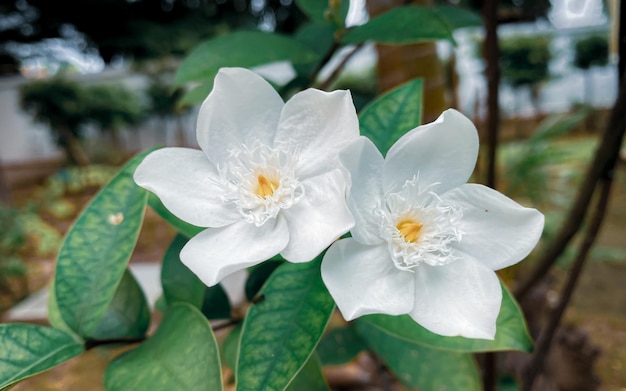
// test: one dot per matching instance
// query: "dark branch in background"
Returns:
(329, 54)
(492, 73)
(603, 163)
(604, 160)
(621, 43)
(227, 324)
(492, 54)
(326, 83)
(5, 192)
(534, 367)
(92, 343)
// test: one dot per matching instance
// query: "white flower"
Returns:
(425, 242)
(267, 180)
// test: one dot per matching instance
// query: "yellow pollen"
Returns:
(265, 186)
(409, 229)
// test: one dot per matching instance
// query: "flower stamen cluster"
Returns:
(261, 181)
(419, 226)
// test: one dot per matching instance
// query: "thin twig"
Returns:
(492, 72)
(92, 343)
(533, 369)
(230, 322)
(329, 54)
(326, 83)
(603, 163)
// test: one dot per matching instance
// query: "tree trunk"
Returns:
(400, 63)
(181, 140)
(73, 149)
(5, 191)
(588, 91)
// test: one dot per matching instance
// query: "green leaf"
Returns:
(558, 124)
(258, 276)
(216, 304)
(230, 348)
(393, 114)
(511, 331)
(97, 248)
(160, 304)
(179, 283)
(340, 345)
(457, 17)
(340, 17)
(314, 9)
(421, 367)
(54, 315)
(182, 355)
(197, 94)
(30, 349)
(184, 228)
(241, 49)
(402, 25)
(128, 315)
(282, 329)
(319, 11)
(310, 377)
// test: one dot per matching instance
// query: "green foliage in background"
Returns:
(67, 107)
(591, 51)
(524, 60)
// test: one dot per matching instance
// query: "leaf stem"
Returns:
(329, 54)
(228, 323)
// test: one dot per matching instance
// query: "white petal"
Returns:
(217, 252)
(365, 164)
(460, 298)
(188, 185)
(241, 107)
(363, 280)
(319, 218)
(443, 151)
(318, 124)
(497, 231)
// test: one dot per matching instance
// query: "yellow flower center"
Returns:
(409, 229)
(265, 186)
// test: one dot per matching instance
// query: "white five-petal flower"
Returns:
(267, 180)
(425, 242)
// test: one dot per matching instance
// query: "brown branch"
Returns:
(230, 322)
(92, 343)
(534, 367)
(329, 54)
(604, 161)
(492, 72)
(326, 83)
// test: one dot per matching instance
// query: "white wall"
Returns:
(23, 140)
(20, 138)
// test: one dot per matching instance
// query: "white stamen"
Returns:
(439, 220)
(242, 173)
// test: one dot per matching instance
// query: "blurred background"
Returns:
(85, 84)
